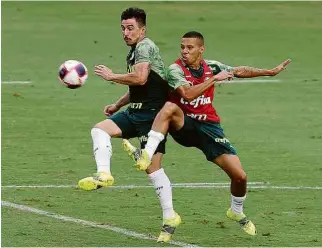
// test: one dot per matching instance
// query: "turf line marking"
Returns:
(182, 185)
(89, 223)
(175, 185)
(16, 82)
(241, 81)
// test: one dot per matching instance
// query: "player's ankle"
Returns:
(237, 204)
(168, 213)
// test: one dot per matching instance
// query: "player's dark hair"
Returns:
(138, 14)
(194, 34)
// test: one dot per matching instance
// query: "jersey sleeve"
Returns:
(176, 77)
(217, 66)
(143, 53)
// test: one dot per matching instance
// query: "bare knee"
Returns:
(168, 110)
(240, 177)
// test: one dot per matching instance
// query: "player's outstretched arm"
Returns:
(138, 77)
(249, 72)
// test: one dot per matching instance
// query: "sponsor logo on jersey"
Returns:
(201, 100)
(143, 138)
(224, 140)
(200, 117)
(136, 105)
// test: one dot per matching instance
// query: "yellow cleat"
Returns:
(143, 161)
(99, 180)
(131, 150)
(168, 228)
(245, 224)
(140, 157)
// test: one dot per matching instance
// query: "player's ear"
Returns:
(202, 49)
(143, 29)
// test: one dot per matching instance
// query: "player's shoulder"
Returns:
(146, 43)
(175, 68)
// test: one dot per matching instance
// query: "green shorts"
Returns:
(137, 123)
(207, 136)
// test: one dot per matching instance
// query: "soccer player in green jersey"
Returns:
(147, 93)
(193, 122)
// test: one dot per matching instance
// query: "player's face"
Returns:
(191, 50)
(131, 31)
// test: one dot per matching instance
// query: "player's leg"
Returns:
(232, 166)
(156, 174)
(219, 150)
(101, 134)
(162, 186)
(169, 115)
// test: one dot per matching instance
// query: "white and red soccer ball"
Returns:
(73, 74)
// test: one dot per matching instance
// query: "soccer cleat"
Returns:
(245, 224)
(140, 157)
(168, 228)
(99, 180)
(131, 150)
(143, 162)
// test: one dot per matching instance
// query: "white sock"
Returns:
(153, 141)
(237, 204)
(163, 189)
(102, 149)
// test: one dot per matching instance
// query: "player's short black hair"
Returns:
(194, 34)
(138, 14)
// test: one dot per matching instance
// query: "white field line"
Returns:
(16, 82)
(241, 81)
(179, 185)
(175, 185)
(89, 223)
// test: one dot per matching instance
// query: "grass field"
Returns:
(276, 127)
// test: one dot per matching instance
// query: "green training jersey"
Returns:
(176, 77)
(153, 94)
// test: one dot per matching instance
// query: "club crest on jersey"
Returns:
(201, 100)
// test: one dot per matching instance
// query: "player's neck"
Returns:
(141, 38)
(195, 64)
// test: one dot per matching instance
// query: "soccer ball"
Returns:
(73, 74)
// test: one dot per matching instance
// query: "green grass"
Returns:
(46, 128)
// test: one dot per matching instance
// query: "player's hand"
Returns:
(110, 109)
(280, 67)
(224, 75)
(103, 71)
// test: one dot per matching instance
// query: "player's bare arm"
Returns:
(249, 72)
(112, 108)
(124, 100)
(138, 77)
(189, 92)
